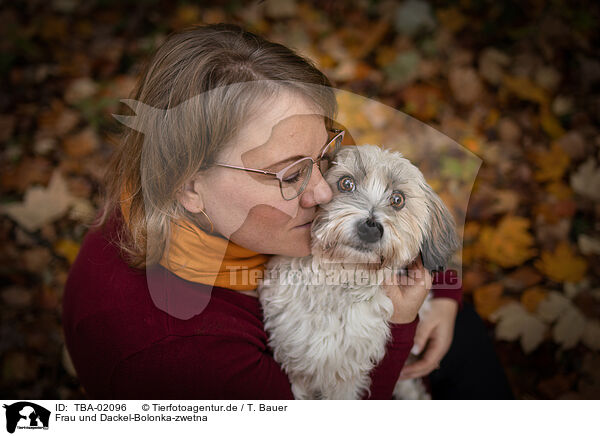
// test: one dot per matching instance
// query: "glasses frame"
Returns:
(339, 137)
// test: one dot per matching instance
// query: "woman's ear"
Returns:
(190, 195)
(442, 240)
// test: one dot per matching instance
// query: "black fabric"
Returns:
(471, 369)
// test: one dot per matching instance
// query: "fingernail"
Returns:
(415, 349)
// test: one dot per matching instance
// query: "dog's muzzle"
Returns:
(369, 230)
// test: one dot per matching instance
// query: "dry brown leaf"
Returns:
(82, 143)
(522, 278)
(29, 171)
(41, 205)
(465, 84)
(422, 101)
(57, 120)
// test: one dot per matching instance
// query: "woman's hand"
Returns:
(435, 330)
(408, 292)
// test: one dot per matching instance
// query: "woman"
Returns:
(161, 301)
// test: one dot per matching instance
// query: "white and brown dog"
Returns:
(327, 314)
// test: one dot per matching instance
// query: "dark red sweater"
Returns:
(125, 345)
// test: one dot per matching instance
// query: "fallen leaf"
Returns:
(29, 171)
(559, 190)
(35, 259)
(67, 248)
(465, 84)
(413, 16)
(569, 328)
(491, 65)
(509, 243)
(562, 265)
(58, 120)
(404, 69)
(488, 299)
(16, 296)
(550, 123)
(573, 144)
(422, 101)
(551, 164)
(514, 322)
(588, 245)
(41, 205)
(553, 306)
(531, 298)
(591, 335)
(522, 278)
(82, 143)
(525, 89)
(79, 89)
(586, 180)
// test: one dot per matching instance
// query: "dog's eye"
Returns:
(397, 200)
(346, 184)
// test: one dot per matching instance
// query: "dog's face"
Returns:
(383, 212)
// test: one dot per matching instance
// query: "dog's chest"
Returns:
(317, 325)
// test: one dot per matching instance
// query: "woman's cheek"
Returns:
(262, 229)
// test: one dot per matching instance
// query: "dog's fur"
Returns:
(328, 327)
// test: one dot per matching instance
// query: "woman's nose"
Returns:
(317, 191)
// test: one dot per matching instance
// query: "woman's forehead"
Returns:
(297, 135)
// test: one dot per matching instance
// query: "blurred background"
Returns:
(516, 83)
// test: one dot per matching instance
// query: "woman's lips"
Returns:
(304, 226)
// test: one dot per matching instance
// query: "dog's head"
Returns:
(383, 212)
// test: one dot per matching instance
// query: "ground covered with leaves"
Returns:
(516, 83)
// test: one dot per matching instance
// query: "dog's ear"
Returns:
(442, 240)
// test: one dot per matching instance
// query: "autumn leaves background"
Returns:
(515, 83)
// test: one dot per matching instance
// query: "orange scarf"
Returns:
(197, 256)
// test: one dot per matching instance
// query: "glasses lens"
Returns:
(295, 178)
(328, 153)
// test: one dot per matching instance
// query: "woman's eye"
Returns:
(346, 184)
(397, 200)
(293, 178)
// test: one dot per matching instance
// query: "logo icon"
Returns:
(26, 415)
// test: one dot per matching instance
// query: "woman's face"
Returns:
(248, 208)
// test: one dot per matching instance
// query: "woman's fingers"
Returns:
(430, 361)
(422, 335)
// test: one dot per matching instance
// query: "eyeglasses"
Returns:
(294, 177)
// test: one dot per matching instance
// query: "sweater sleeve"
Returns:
(220, 367)
(385, 375)
(200, 367)
(446, 284)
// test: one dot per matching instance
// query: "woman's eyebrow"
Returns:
(287, 159)
(294, 158)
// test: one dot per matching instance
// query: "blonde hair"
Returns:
(215, 70)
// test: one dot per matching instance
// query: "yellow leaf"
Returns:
(509, 243)
(525, 89)
(560, 190)
(551, 164)
(531, 298)
(488, 299)
(67, 248)
(562, 265)
(550, 123)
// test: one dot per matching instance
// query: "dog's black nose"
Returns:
(370, 230)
